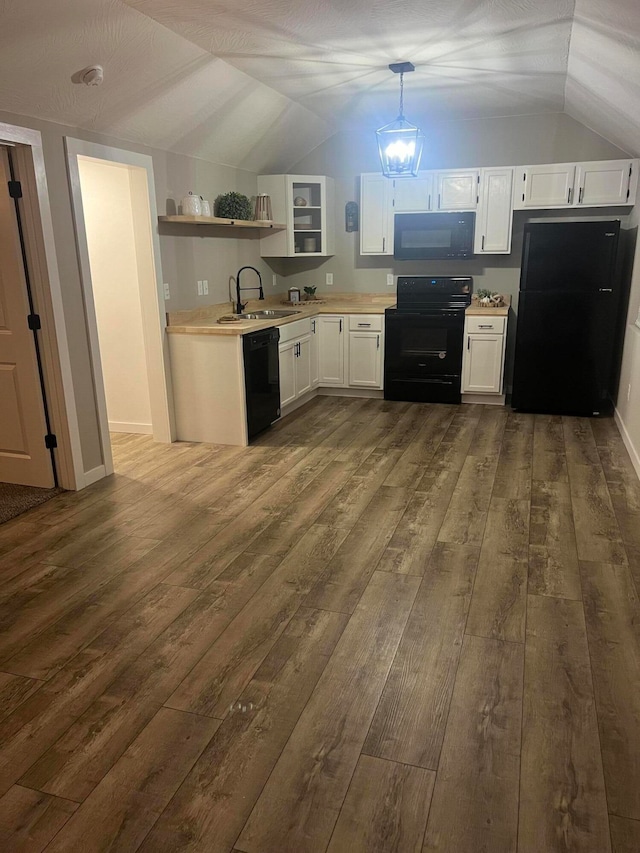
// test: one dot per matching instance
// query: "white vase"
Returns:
(191, 205)
(206, 208)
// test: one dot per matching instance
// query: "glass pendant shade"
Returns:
(400, 143)
(400, 146)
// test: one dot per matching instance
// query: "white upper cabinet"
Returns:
(413, 195)
(457, 190)
(602, 183)
(495, 212)
(545, 186)
(605, 182)
(306, 204)
(376, 216)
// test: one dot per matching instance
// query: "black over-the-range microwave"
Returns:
(433, 236)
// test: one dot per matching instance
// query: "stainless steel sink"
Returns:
(267, 315)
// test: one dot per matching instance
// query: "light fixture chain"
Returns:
(402, 95)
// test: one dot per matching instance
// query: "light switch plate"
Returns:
(167, 295)
(329, 279)
(199, 288)
(390, 280)
(205, 287)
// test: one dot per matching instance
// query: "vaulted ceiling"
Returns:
(259, 83)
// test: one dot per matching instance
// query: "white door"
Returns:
(24, 459)
(495, 215)
(331, 350)
(315, 365)
(458, 190)
(302, 365)
(375, 215)
(413, 195)
(604, 182)
(545, 186)
(365, 359)
(482, 367)
(287, 373)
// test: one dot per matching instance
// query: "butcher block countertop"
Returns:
(475, 310)
(204, 321)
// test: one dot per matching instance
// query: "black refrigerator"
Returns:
(569, 310)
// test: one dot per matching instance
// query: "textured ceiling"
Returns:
(259, 83)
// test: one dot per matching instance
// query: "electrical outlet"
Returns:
(390, 280)
(205, 287)
(329, 279)
(274, 280)
(199, 288)
(167, 295)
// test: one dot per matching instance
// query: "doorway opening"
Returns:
(115, 214)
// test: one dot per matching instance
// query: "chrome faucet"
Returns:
(239, 305)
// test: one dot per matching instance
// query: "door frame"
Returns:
(151, 299)
(42, 259)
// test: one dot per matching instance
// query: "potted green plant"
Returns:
(310, 292)
(233, 206)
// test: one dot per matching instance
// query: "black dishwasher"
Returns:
(261, 379)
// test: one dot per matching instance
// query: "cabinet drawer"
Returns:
(365, 322)
(489, 325)
(291, 331)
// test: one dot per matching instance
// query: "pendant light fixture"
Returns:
(400, 142)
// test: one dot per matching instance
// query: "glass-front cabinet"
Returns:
(306, 204)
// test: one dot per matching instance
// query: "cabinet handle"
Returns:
(364, 324)
(378, 344)
(313, 326)
(570, 194)
(429, 202)
(605, 290)
(485, 326)
(468, 341)
(341, 325)
(580, 195)
(483, 242)
(438, 201)
(383, 242)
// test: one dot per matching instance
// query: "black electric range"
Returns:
(423, 339)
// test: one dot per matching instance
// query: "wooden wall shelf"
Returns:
(263, 225)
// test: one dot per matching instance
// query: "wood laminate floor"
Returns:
(383, 627)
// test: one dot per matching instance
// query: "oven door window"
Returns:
(417, 345)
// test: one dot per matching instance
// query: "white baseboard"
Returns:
(486, 399)
(633, 453)
(122, 426)
(94, 475)
(372, 393)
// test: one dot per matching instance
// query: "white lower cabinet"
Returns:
(295, 358)
(315, 361)
(350, 350)
(331, 350)
(302, 366)
(483, 359)
(287, 356)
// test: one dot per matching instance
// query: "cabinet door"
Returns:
(331, 350)
(495, 214)
(482, 364)
(604, 182)
(287, 373)
(413, 195)
(302, 365)
(545, 186)
(375, 215)
(365, 359)
(457, 190)
(315, 364)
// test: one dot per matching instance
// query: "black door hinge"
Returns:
(33, 321)
(50, 441)
(15, 189)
